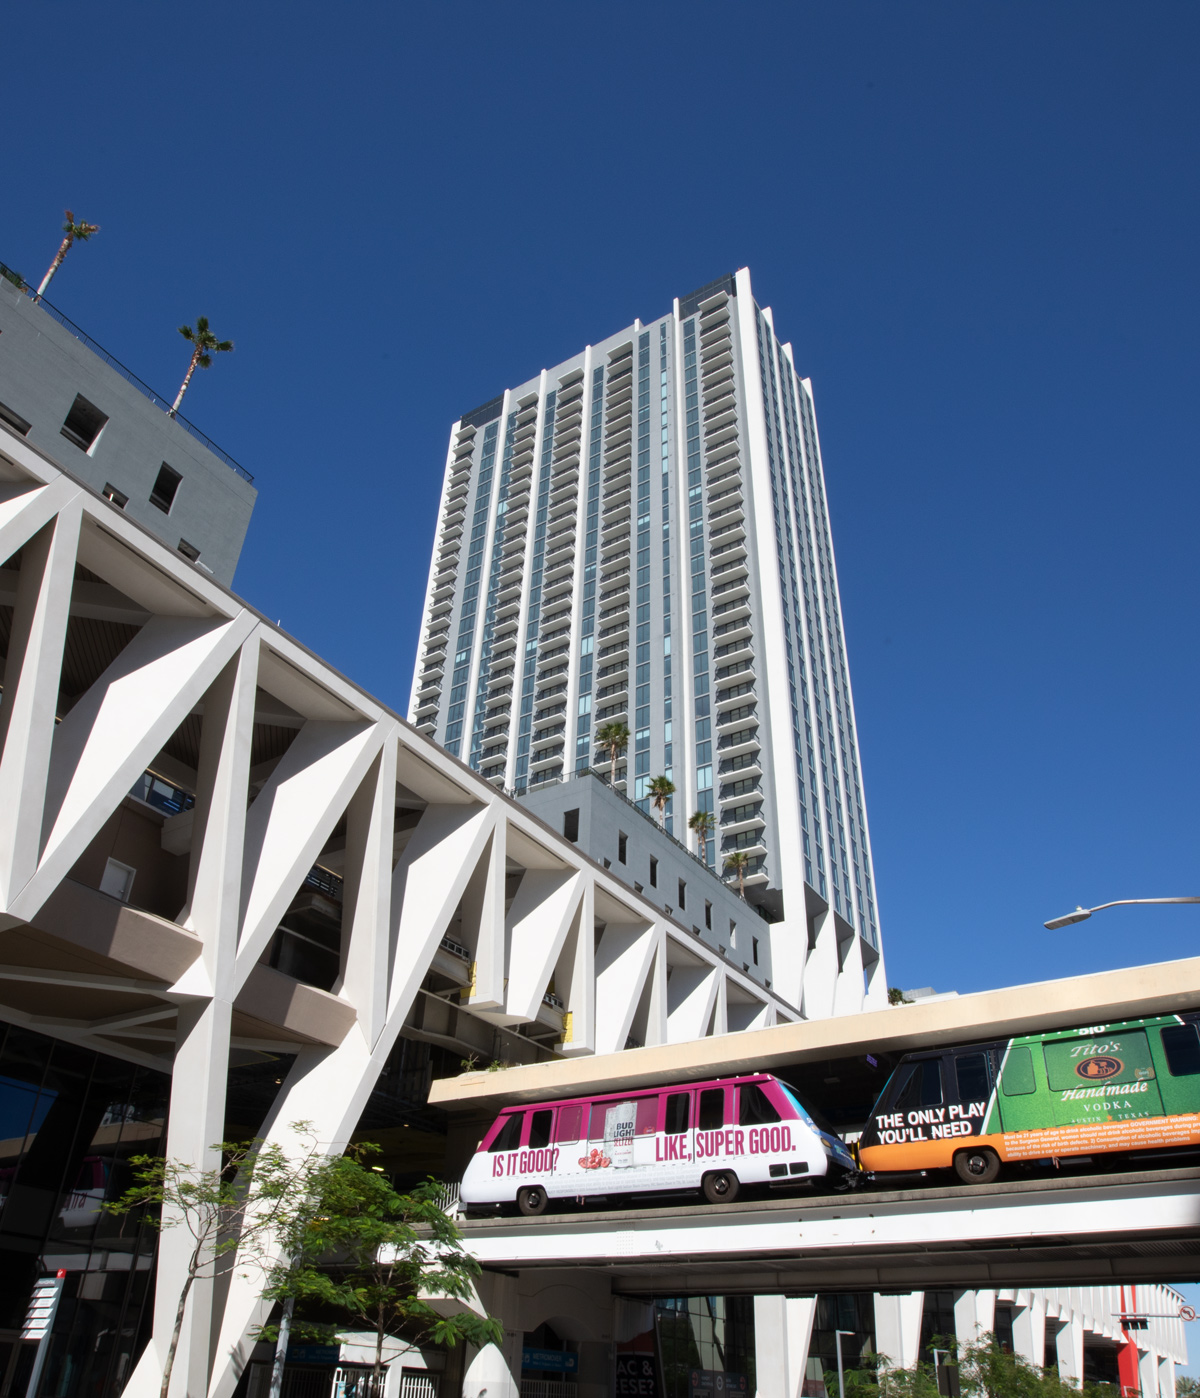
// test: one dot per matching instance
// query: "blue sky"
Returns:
(977, 224)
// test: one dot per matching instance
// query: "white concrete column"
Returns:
(1148, 1373)
(974, 1315)
(495, 1370)
(1166, 1378)
(1029, 1327)
(898, 1327)
(1069, 1348)
(782, 1334)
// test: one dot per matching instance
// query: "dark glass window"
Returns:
(509, 1135)
(622, 842)
(571, 825)
(1183, 1049)
(14, 420)
(84, 423)
(539, 1129)
(922, 1087)
(677, 1113)
(971, 1070)
(165, 486)
(754, 1109)
(653, 872)
(711, 1116)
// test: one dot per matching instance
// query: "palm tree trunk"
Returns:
(183, 388)
(56, 264)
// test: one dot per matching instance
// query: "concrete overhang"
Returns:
(1103, 997)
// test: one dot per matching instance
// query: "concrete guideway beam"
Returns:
(1078, 1231)
(1103, 997)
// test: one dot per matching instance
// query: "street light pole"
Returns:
(1080, 914)
(837, 1338)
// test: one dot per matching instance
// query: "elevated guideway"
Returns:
(1081, 1230)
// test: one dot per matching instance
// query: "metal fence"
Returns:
(548, 1388)
(127, 374)
(414, 1384)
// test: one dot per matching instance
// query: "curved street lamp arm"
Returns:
(1122, 902)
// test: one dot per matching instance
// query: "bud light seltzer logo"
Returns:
(1097, 1069)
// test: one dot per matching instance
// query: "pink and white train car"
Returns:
(711, 1136)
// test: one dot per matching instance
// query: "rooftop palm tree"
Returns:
(737, 863)
(204, 343)
(701, 823)
(76, 232)
(661, 791)
(615, 737)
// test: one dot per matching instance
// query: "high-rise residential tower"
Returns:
(640, 535)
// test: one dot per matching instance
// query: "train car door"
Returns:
(1101, 1078)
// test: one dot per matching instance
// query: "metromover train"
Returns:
(708, 1136)
(1107, 1089)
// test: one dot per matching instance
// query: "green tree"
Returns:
(702, 824)
(374, 1256)
(737, 863)
(661, 791)
(985, 1370)
(897, 997)
(613, 737)
(76, 233)
(204, 345)
(232, 1212)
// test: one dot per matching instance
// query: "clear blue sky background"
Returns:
(977, 224)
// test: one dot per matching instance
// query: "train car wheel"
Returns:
(979, 1166)
(532, 1200)
(720, 1187)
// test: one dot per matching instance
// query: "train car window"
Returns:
(923, 1088)
(677, 1113)
(1016, 1077)
(971, 1070)
(754, 1108)
(569, 1121)
(711, 1116)
(539, 1129)
(1182, 1047)
(647, 1116)
(509, 1135)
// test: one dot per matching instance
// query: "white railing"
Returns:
(548, 1388)
(418, 1385)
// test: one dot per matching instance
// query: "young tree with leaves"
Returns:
(231, 1212)
(737, 863)
(702, 824)
(614, 737)
(76, 232)
(661, 791)
(373, 1255)
(204, 345)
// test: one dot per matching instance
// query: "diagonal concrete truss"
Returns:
(119, 649)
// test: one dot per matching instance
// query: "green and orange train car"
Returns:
(1133, 1086)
